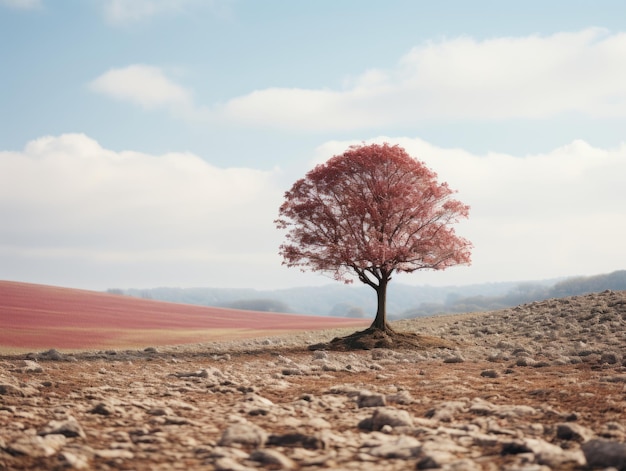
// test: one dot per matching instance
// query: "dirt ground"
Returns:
(519, 390)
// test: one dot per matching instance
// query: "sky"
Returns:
(149, 143)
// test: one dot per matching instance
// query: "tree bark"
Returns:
(380, 321)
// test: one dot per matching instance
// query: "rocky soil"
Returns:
(537, 387)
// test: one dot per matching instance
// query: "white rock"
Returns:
(272, 458)
(244, 434)
(37, 446)
(392, 417)
(403, 447)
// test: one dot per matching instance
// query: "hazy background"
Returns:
(148, 143)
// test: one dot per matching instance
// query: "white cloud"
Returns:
(67, 198)
(558, 213)
(22, 4)
(532, 77)
(74, 211)
(146, 86)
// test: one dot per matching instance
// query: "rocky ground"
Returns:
(533, 388)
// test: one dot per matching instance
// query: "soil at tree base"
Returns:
(389, 338)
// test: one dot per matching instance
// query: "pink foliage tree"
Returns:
(370, 212)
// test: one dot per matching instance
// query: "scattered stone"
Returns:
(613, 430)
(489, 373)
(29, 366)
(230, 464)
(435, 459)
(320, 355)
(52, 354)
(545, 453)
(172, 408)
(525, 361)
(10, 390)
(368, 399)
(292, 372)
(610, 358)
(37, 446)
(402, 447)
(272, 458)
(390, 416)
(192, 374)
(446, 411)
(246, 434)
(69, 428)
(297, 439)
(605, 454)
(73, 461)
(575, 432)
(102, 408)
(403, 397)
(454, 359)
(115, 454)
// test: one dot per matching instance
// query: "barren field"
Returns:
(533, 388)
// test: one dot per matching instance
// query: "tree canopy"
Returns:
(369, 212)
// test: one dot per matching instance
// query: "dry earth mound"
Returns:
(533, 388)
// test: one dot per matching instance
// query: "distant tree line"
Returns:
(405, 301)
(523, 293)
(261, 305)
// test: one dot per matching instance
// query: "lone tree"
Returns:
(370, 212)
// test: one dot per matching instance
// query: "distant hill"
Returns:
(404, 301)
(525, 293)
(330, 300)
(45, 317)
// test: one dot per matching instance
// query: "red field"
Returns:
(44, 317)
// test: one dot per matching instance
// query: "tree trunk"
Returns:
(380, 322)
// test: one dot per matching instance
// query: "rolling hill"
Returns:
(44, 317)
